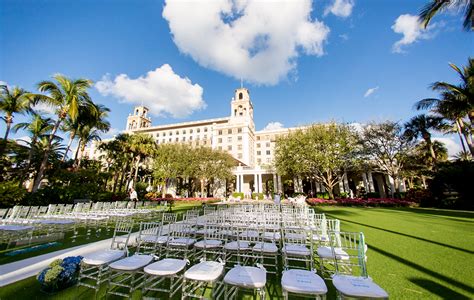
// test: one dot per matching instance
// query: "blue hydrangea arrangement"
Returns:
(60, 274)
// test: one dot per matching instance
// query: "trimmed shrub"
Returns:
(258, 196)
(238, 195)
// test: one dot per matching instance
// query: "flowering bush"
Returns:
(60, 274)
(372, 202)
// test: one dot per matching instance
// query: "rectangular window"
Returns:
(229, 131)
(205, 136)
(258, 145)
(269, 160)
(239, 130)
(198, 130)
(157, 135)
(229, 139)
(177, 132)
(239, 155)
(190, 138)
(190, 131)
(177, 139)
(163, 141)
(219, 132)
(259, 160)
(219, 140)
(259, 152)
(170, 139)
(184, 131)
(229, 147)
(239, 147)
(184, 138)
(164, 133)
(268, 152)
(205, 129)
(239, 138)
(267, 145)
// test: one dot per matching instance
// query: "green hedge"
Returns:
(259, 196)
(238, 195)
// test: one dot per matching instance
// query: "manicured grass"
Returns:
(413, 254)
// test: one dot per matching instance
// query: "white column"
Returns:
(238, 183)
(280, 184)
(346, 183)
(371, 182)
(341, 186)
(260, 185)
(255, 183)
(392, 184)
(275, 183)
(364, 179)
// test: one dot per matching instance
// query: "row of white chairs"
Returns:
(246, 241)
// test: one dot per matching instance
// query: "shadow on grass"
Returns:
(467, 217)
(448, 293)
(410, 236)
(437, 289)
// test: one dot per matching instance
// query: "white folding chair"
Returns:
(95, 266)
(127, 273)
(350, 278)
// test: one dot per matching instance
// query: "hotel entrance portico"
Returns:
(257, 180)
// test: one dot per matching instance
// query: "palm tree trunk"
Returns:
(71, 138)
(430, 146)
(83, 147)
(458, 127)
(116, 178)
(467, 137)
(136, 171)
(44, 163)
(28, 162)
(122, 178)
(76, 155)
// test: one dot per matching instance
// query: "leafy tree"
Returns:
(387, 146)
(15, 101)
(323, 151)
(435, 6)
(211, 164)
(67, 96)
(169, 162)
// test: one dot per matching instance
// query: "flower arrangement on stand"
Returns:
(60, 274)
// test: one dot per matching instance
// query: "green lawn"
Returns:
(413, 254)
(416, 253)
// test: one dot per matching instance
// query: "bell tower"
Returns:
(241, 106)
(138, 119)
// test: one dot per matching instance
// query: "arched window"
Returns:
(241, 96)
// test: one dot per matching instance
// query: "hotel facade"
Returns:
(252, 149)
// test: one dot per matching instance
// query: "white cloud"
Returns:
(23, 140)
(258, 41)
(161, 90)
(370, 91)
(344, 37)
(45, 109)
(340, 8)
(452, 146)
(3, 83)
(112, 133)
(409, 26)
(273, 126)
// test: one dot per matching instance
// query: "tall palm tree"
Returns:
(15, 101)
(37, 128)
(456, 103)
(435, 6)
(67, 95)
(420, 126)
(142, 146)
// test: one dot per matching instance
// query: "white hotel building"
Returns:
(236, 134)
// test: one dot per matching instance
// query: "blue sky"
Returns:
(347, 49)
